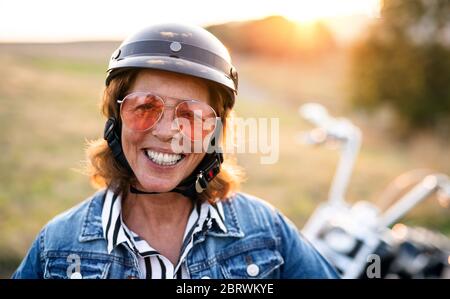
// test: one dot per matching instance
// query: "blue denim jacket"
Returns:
(257, 234)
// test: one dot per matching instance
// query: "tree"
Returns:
(404, 61)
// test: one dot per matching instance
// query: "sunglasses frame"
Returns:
(162, 98)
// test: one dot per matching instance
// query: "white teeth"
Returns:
(163, 158)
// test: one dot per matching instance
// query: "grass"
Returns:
(49, 96)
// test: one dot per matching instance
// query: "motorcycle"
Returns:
(360, 239)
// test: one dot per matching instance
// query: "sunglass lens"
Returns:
(195, 119)
(141, 111)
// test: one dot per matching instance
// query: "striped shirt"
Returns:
(152, 264)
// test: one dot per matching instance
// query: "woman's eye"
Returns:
(186, 114)
(144, 107)
(195, 116)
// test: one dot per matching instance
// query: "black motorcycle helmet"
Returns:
(178, 48)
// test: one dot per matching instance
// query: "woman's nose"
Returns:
(166, 127)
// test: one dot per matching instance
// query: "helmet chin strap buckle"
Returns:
(208, 173)
(200, 183)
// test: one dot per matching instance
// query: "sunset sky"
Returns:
(69, 20)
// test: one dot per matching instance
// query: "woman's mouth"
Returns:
(163, 159)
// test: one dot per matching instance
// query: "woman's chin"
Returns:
(157, 185)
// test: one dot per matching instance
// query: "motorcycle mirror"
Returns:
(443, 194)
(314, 113)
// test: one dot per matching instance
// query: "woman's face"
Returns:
(141, 148)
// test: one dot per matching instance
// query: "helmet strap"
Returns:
(112, 135)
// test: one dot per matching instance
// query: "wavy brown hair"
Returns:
(105, 171)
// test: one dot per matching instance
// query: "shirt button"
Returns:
(76, 275)
(252, 270)
(209, 223)
(206, 277)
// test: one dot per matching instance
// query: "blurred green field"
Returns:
(49, 96)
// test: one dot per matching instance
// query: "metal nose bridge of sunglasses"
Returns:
(173, 119)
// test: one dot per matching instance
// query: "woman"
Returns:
(169, 207)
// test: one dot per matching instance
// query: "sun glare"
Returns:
(59, 20)
(311, 11)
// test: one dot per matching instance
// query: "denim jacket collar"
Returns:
(92, 222)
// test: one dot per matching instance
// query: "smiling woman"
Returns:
(139, 86)
(165, 211)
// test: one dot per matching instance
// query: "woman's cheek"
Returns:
(130, 144)
(195, 160)
(132, 137)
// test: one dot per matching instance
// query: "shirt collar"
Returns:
(211, 217)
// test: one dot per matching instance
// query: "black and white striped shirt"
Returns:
(151, 263)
